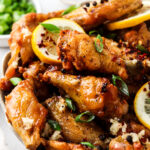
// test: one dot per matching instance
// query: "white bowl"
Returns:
(4, 38)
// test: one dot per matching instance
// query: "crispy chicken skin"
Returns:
(121, 144)
(78, 50)
(73, 131)
(89, 17)
(22, 105)
(56, 145)
(97, 95)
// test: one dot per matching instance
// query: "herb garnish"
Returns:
(91, 117)
(50, 27)
(70, 104)
(142, 49)
(70, 9)
(123, 88)
(99, 47)
(15, 80)
(88, 144)
(93, 32)
(55, 125)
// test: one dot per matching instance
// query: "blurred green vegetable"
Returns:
(11, 11)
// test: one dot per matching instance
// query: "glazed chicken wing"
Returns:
(73, 131)
(78, 50)
(97, 95)
(100, 11)
(26, 114)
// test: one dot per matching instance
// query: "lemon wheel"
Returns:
(143, 14)
(44, 42)
(142, 105)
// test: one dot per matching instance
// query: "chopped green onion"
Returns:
(91, 117)
(123, 88)
(88, 144)
(93, 32)
(70, 9)
(55, 125)
(99, 47)
(50, 27)
(15, 80)
(142, 49)
(70, 104)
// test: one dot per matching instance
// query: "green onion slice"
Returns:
(142, 49)
(70, 9)
(88, 144)
(15, 80)
(70, 104)
(99, 47)
(93, 32)
(55, 125)
(50, 27)
(123, 88)
(91, 117)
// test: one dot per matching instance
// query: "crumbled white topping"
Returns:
(47, 130)
(141, 134)
(124, 127)
(135, 137)
(115, 127)
(56, 135)
(27, 123)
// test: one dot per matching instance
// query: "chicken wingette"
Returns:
(73, 131)
(97, 95)
(26, 114)
(78, 50)
(97, 12)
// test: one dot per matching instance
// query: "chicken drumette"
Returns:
(97, 95)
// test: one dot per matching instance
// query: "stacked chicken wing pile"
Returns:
(99, 116)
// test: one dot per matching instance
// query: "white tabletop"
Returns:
(8, 140)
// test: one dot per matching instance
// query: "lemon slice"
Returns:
(141, 15)
(142, 105)
(44, 42)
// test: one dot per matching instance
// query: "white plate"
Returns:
(4, 38)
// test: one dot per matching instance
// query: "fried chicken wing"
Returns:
(26, 114)
(78, 50)
(98, 13)
(97, 95)
(73, 131)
